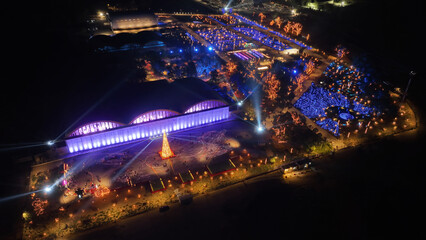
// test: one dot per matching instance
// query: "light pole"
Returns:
(411, 74)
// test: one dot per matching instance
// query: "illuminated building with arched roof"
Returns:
(139, 111)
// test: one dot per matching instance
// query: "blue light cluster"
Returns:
(222, 39)
(191, 37)
(253, 23)
(344, 87)
(364, 110)
(205, 65)
(248, 21)
(347, 80)
(224, 20)
(330, 125)
(263, 38)
(314, 101)
(301, 44)
(214, 19)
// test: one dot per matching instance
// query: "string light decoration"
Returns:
(341, 51)
(271, 86)
(287, 27)
(278, 22)
(166, 152)
(262, 17)
(299, 80)
(39, 206)
(101, 191)
(294, 28)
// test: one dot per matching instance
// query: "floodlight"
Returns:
(47, 189)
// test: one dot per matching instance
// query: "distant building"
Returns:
(131, 21)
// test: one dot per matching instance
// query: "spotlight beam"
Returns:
(5, 199)
(19, 144)
(254, 89)
(127, 165)
(229, 3)
(185, 139)
(190, 136)
(90, 110)
(22, 147)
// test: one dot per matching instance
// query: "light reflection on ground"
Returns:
(194, 149)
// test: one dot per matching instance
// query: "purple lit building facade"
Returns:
(99, 134)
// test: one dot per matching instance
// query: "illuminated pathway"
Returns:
(312, 125)
(204, 42)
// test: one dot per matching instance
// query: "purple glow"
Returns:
(194, 116)
(154, 115)
(248, 55)
(205, 105)
(240, 56)
(257, 54)
(94, 127)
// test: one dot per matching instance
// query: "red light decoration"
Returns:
(39, 206)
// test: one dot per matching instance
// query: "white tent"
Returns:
(290, 51)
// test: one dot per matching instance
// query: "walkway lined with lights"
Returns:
(204, 42)
(263, 38)
(222, 38)
(269, 31)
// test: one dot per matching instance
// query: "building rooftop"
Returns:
(130, 100)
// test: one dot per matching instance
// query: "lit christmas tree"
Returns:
(166, 152)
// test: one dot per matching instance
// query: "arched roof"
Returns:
(153, 115)
(93, 127)
(126, 103)
(204, 105)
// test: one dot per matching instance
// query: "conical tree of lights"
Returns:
(166, 152)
